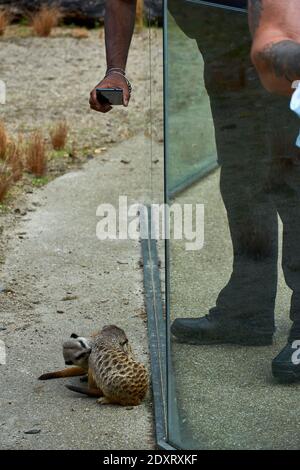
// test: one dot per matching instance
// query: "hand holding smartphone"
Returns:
(111, 96)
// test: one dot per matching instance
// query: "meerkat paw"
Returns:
(103, 401)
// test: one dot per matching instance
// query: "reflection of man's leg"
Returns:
(286, 189)
(249, 296)
(289, 211)
(244, 311)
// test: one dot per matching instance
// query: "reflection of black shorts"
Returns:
(186, 13)
(183, 10)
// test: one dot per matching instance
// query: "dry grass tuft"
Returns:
(3, 141)
(139, 22)
(5, 180)
(80, 33)
(4, 20)
(59, 135)
(44, 20)
(15, 159)
(36, 155)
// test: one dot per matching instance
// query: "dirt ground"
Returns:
(55, 275)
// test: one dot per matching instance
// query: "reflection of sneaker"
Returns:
(286, 366)
(207, 330)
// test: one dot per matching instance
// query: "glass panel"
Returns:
(190, 120)
(222, 387)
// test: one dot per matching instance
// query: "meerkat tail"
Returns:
(90, 392)
(69, 372)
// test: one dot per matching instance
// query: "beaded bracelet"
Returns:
(115, 68)
(111, 71)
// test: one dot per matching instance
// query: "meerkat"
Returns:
(113, 374)
(76, 352)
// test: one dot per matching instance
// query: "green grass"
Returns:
(60, 153)
(38, 182)
(24, 21)
(3, 208)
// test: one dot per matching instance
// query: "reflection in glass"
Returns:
(218, 110)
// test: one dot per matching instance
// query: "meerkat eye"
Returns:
(81, 355)
(124, 342)
(82, 344)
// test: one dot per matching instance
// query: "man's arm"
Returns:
(119, 26)
(275, 27)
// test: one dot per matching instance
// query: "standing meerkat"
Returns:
(113, 373)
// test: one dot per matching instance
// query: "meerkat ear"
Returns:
(125, 345)
(74, 335)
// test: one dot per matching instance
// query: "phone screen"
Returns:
(112, 96)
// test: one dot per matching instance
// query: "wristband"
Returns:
(112, 71)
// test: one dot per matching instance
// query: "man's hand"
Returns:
(114, 80)
(275, 27)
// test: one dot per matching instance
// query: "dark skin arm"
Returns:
(119, 25)
(275, 27)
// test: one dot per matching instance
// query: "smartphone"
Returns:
(112, 96)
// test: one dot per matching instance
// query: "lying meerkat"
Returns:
(107, 359)
(76, 352)
(113, 373)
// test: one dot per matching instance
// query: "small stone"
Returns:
(125, 161)
(32, 431)
(60, 311)
(129, 407)
(69, 297)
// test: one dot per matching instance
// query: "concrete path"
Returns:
(54, 255)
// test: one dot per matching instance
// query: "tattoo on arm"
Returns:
(255, 8)
(284, 59)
